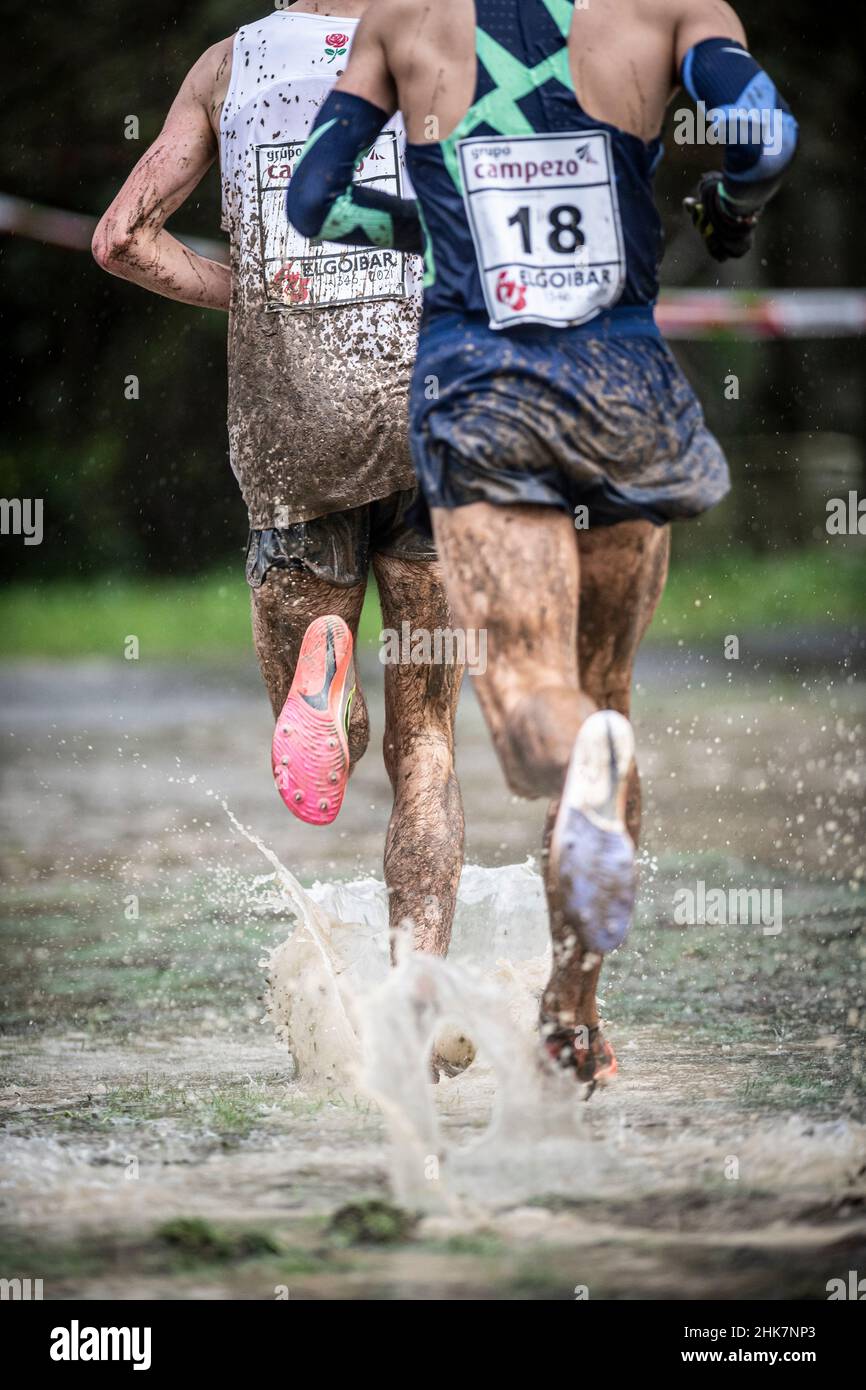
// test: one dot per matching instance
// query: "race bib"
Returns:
(545, 221)
(298, 274)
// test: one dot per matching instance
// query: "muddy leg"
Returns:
(623, 570)
(512, 572)
(282, 610)
(424, 845)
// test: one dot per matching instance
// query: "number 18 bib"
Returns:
(545, 221)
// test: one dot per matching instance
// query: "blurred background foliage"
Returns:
(143, 488)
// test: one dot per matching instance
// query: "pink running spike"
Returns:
(310, 750)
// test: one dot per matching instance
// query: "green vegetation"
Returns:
(706, 600)
(371, 1222)
(184, 1246)
(196, 1241)
(208, 618)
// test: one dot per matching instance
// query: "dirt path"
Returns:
(155, 1141)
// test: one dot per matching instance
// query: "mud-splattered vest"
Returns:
(321, 339)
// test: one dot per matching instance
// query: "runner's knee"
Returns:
(536, 738)
(529, 771)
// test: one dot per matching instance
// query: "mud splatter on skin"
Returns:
(512, 572)
(565, 612)
(424, 843)
(623, 570)
(622, 576)
(318, 423)
(606, 41)
(131, 240)
(220, 87)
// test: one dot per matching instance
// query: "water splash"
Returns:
(506, 1130)
(350, 1019)
(306, 1000)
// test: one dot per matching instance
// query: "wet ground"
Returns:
(156, 1141)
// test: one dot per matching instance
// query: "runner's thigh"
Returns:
(283, 607)
(623, 569)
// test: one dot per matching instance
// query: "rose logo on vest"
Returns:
(336, 45)
(291, 285)
(509, 292)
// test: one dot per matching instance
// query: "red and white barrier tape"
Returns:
(74, 230)
(762, 313)
(838, 313)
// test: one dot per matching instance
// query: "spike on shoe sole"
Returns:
(310, 749)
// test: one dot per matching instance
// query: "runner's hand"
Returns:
(726, 234)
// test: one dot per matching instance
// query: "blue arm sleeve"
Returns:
(755, 123)
(322, 200)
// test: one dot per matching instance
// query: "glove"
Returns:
(727, 234)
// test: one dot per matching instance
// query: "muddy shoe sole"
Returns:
(592, 853)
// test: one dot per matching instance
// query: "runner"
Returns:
(561, 437)
(320, 350)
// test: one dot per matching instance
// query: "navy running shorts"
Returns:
(599, 416)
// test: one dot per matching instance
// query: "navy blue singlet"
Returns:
(541, 376)
(534, 211)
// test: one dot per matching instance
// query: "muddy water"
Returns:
(140, 1084)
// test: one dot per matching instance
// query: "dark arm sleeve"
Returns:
(324, 203)
(754, 123)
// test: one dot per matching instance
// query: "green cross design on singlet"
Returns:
(345, 214)
(498, 108)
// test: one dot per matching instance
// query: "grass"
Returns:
(197, 1241)
(371, 1221)
(231, 1111)
(204, 1116)
(208, 617)
(182, 1246)
(818, 588)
